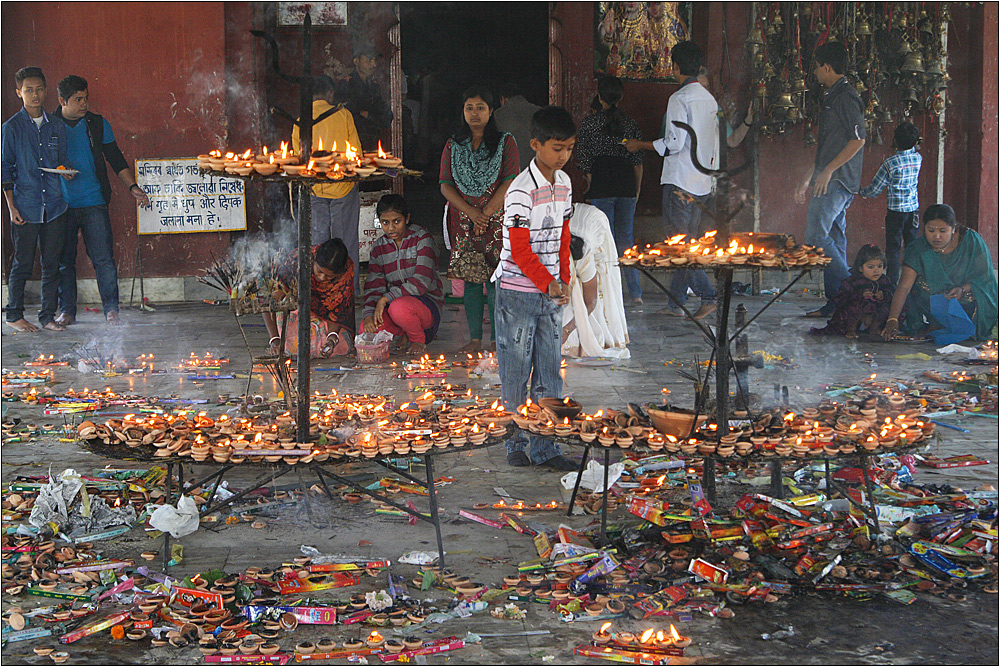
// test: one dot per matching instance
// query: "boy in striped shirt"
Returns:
(900, 173)
(532, 276)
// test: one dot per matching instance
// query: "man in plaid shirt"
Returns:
(900, 173)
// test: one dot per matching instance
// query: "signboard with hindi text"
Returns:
(368, 227)
(184, 200)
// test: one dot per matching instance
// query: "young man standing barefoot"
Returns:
(33, 142)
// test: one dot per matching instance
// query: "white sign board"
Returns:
(184, 200)
(368, 228)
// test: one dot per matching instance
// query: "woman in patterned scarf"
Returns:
(331, 315)
(477, 165)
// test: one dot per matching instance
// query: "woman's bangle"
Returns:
(746, 123)
(892, 319)
(134, 186)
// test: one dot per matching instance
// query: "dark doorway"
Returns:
(446, 47)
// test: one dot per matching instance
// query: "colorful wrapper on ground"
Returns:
(94, 628)
(305, 615)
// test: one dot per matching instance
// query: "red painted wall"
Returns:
(971, 144)
(156, 71)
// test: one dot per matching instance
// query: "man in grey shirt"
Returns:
(514, 116)
(836, 174)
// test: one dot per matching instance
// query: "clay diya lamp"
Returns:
(268, 649)
(412, 643)
(679, 640)
(325, 645)
(602, 636)
(595, 609)
(624, 638)
(305, 648)
(59, 657)
(354, 644)
(394, 646)
(616, 606)
(374, 640)
(44, 650)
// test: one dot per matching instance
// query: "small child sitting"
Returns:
(862, 303)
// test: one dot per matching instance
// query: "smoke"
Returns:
(206, 94)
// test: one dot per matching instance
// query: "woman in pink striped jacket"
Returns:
(403, 292)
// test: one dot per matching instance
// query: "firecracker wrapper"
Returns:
(94, 628)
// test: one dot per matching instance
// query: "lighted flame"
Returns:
(604, 628)
(320, 144)
(645, 636)
(673, 631)
(381, 153)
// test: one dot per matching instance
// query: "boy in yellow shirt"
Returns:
(336, 207)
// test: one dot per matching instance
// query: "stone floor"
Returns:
(828, 629)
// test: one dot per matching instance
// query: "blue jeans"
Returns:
(95, 224)
(48, 238)
(621, 214)
(826, 228)
(684, 217)
(338, 219)
(528, 336)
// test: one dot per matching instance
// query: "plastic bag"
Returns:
(180, 521)
(593, 477)
(419, 557)
(365, 338)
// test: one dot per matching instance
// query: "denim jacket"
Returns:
(26, 147)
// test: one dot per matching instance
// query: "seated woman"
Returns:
(403, 292)
(947, 261)
(332, 311)
(594, 323)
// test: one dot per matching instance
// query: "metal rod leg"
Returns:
(873, 510)
(432, 497)
(777, 486)
(322, 480)
(579, 476)
(604, 503)
(708, 478)
(166, 536)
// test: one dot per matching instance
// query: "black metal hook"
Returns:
(274, 56)
(698, 165)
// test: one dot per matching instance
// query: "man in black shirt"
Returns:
(836, 175)
(363, 98)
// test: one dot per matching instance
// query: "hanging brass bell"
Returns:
(798, 84)
(886, 116)
(785, 101)
(909, 94)
(794, 114)
(863, 28)
(913, 64)
(860, 86)
(904, 48)
(755, 37)
(935, 69)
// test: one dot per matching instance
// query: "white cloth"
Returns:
(694, 105)
(604, 333)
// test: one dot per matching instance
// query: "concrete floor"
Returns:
(828, 629)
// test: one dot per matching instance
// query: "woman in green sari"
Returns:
(946, 260)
